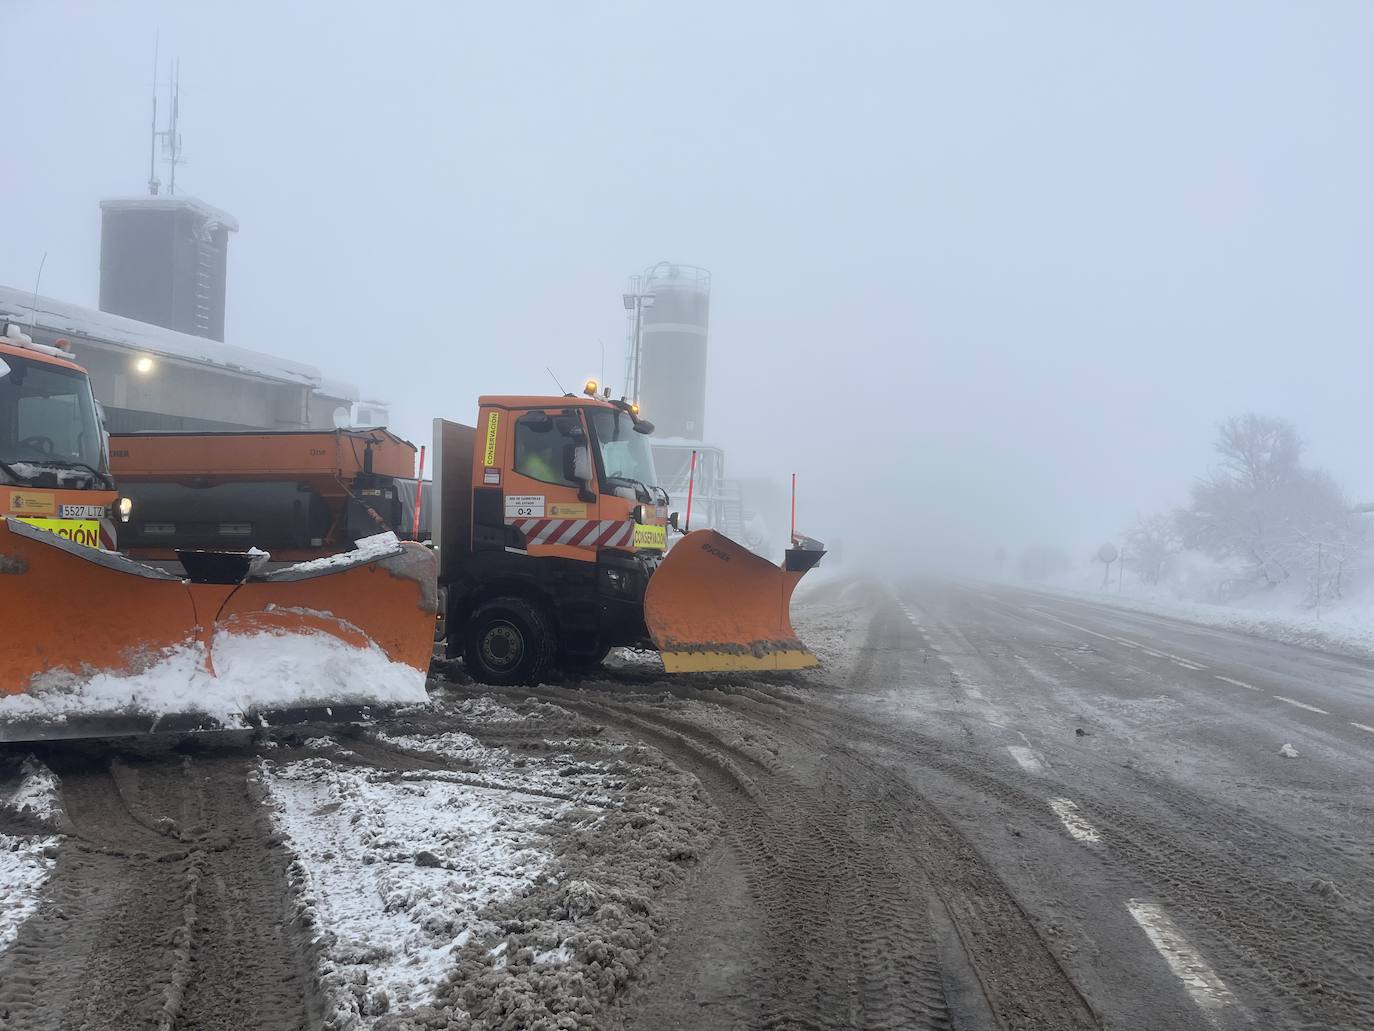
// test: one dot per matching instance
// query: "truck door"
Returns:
(550, 492)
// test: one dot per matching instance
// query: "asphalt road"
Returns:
(996, 808)
(1210, 873)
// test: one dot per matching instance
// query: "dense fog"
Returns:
(986, 276)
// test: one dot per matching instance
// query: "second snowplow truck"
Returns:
(553, 542)
(93, 643)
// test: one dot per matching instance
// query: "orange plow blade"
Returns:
(713, 605)
(95, 644)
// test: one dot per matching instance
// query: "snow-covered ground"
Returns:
(395, 872)
(453, 881)
(25, 862)
(559, 774)
(34, 793)
(1345, 626)
(30, 789)
(252, 672)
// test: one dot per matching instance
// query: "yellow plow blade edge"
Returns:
(713, 605)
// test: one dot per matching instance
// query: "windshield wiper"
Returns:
(640, 485)
(102, 477)
(8, 470)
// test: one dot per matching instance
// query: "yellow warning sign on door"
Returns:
(493, 421)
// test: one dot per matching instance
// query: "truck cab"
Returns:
(565, 523)
(54, 462)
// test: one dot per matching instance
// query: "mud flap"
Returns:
(713, 605)
(96, 644)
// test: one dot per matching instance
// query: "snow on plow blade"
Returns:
(714, 605)
(95, 644)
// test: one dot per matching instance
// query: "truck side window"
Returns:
(539, 449)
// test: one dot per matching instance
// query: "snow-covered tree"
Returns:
(1263, 506)
(1151, 545)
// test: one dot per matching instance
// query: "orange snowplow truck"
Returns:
(553, 547)
(95, 643)
(54, 466)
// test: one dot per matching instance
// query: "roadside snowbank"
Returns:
(1346, 628)
(253, 672)
(25, 863)
(36, 793)
(394, 874)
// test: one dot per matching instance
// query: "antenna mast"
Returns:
(153, 184)
(171, 146)
(170, 136)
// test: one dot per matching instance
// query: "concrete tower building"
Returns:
(164, 260)
(672, 346)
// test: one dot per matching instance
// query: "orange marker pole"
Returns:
(419, 496)
(691, 481)
(793, 538)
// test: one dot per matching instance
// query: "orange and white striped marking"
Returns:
(579, 533)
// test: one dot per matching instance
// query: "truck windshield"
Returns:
(625, 454)
(48, 418)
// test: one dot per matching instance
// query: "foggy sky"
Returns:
(983, 273)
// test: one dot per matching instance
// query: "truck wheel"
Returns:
(508, 641)
(583, 663)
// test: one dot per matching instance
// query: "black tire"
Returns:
(583, 663)
(508, 641)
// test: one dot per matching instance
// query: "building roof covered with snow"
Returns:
(64, 318)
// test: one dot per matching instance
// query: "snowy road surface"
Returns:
(989, 808)
(1002, 808)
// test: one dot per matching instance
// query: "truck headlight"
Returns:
(126, 507)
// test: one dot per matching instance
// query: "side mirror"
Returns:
(577, 466)
(582, 464)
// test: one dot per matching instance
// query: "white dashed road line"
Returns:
(1029, 760)
(1105, 637)
(1177, 660)
(1079, 828)
(1238, 683)
(1362, 726)
(1301, 705)
(1202, 982)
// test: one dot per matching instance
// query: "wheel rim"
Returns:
(502, 646)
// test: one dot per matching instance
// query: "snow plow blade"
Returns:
(713, 605)
(96, 645)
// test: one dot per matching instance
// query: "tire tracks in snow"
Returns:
(168, 906)
(877, 911)
(1282, 916)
